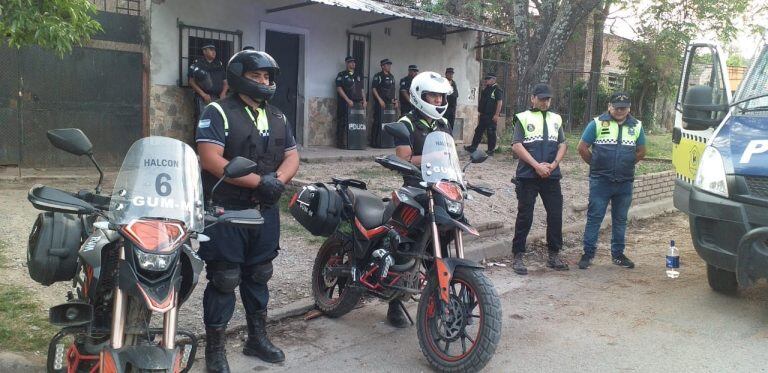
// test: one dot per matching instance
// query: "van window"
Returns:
(756, 84)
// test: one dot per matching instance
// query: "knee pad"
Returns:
(260, 273)
(224, 276)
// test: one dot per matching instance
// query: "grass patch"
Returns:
(658, 146)
(24, 325)
(650, 167)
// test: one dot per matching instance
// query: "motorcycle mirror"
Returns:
(397, 130)
(239, 167)
(70, 140)
(478, 156)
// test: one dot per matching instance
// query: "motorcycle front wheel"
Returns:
(461, 336)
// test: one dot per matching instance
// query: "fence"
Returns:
(572, 99)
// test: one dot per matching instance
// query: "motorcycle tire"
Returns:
(323, 287)
(474, 303)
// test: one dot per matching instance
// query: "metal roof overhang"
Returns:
(394, 12)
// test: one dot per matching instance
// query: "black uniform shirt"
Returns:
(488, 99)
(385, 85)
(405, 84)
(217, 73)
(453, 96)
(351, 83)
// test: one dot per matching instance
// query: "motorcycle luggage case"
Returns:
(52, 248)
(317, 208)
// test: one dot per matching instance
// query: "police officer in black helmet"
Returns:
(244, 124)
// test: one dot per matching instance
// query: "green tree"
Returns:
(57, 25)
(653, 62)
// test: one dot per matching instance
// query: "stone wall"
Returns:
(322, 121)
(171, 111)
(653, 187)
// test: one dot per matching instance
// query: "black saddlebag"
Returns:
(53, 245)
(317, 208)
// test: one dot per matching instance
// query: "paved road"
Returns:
(605, 319)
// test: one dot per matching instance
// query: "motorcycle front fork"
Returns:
(119, 315)
(458, 241)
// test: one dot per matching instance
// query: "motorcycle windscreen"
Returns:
(439, 160)
(357, 131)
(159, 178)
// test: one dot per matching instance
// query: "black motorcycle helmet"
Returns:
(250, 60)
(202, 78)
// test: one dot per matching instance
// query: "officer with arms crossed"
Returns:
(539, 142)
(428, 94)
(405, 89)
(611, 144)
(244, 124)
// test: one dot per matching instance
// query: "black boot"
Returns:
(395, 315)
(258, 344)
(215, 352)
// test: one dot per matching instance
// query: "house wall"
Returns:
(324, 33)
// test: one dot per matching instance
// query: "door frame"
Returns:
(302, 113)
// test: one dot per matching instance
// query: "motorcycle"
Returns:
(399, 247)
(129, 255)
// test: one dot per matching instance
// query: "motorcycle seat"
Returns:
(369, 208)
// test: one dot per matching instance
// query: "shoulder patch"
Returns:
(204, 123)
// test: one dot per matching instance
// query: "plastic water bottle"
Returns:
(673, 261)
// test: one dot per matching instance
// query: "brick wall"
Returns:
(653, 187)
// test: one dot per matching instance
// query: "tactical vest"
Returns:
(420, 128)
(488, 98)
(242, 129)
(542, 146)
(614, 150)
(386, 86)
(352, 84)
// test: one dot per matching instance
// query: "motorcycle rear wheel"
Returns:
(333, 295)
(463, 336)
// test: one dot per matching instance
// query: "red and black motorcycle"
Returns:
(406, 245)
(129, 256)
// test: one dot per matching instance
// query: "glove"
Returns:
(270, 189)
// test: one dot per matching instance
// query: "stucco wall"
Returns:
(324, 31)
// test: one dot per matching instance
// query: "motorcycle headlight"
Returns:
(454, 208)
(154, 262)
(711, 173)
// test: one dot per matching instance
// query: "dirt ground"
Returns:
(605, 319)
(292, 267)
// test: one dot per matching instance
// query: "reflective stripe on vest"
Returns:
(533, 126)
(608, 132)
(431, 126)
(261, 123)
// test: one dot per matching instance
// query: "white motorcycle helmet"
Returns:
(430, 81)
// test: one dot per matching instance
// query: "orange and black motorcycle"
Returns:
(406, 245)
(129, 256)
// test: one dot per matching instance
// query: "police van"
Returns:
(720, 155)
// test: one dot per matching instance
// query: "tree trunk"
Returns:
(537, 55)
(596, 66)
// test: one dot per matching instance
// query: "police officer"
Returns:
(450, 113)
(539, 142)
(490, 108)
(617, 143)
(244, 124)
(207, 79)
(349, 89)
(383, 89)
(428, 93)
(405, 89)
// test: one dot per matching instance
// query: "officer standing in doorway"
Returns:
(491, 102)
(207, 79)
(383, 89)
(244, 124)
(349, 89)
(450, 113)
(405, 87)
(539, 142)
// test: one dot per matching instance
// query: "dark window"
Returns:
(129, 7)
(193, 38)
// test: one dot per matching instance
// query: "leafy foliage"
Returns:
(57, 25)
